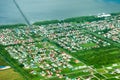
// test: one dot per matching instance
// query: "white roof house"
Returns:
(103, 15)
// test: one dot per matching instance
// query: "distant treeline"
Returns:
(115, 14)
(46, 22)
(75, 19)
(11, 26)
(83, 19)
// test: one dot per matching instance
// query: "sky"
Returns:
(113, 1)
(9, 12)
(54, 9)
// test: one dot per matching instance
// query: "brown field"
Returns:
(10, 74)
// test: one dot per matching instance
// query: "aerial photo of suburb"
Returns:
(63, 45)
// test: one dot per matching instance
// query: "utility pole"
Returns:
(25, 18)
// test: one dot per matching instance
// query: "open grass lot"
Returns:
(88, 45)
(10, 74)
(99, 56)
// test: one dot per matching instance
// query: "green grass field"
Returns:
(88, 45)
(2, 62)
(99, 56)
(10, 74)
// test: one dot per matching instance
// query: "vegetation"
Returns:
(13, 63)
(2, 62)
(103, 38)
(11, 26)
(10, 74)
(83, 19)
(99, 56)
(115, 14)
(87, 45)
(75, 19)
(4, 74)
(46, 22)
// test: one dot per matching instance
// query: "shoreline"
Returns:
(53, 21)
